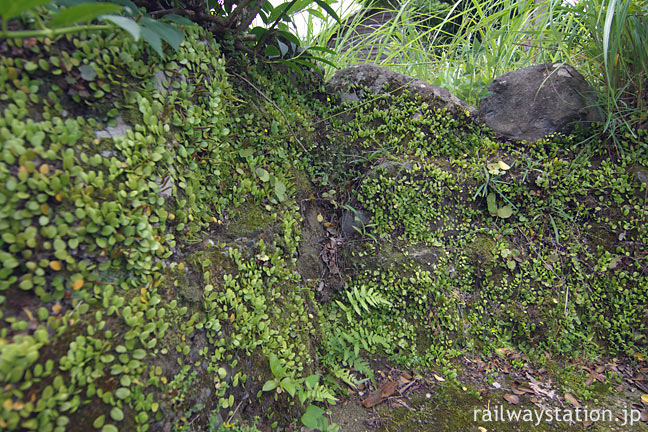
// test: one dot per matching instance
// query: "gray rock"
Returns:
(354, 221)
(641, 175)
(166, 186)
(348, 84)
(533, 102)
(159, 77)
(393, 168)
(113, 131)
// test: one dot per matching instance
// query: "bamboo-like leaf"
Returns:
(328, 9)
(153, 39)
(125, 23)
(166, 32)
(85, 12)
(12, 8)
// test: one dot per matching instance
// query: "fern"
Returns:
(314, 391)
(365, 298)
(347, 377)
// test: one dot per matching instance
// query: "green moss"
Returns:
(249, 219)
(155, 273)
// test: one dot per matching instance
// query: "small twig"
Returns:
(273, 104)
(404, 389)
(229, 420)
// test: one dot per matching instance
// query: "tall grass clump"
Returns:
(460, 46)
(463, 46)
(612, 39)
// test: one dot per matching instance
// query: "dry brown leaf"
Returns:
(588, 423)
(388, 389)
(644, 416)
(512, 399)
(572, 400)
(381, 394)
(589, 381)
(517, 391)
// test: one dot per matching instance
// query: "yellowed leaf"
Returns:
(44, 169)
(644, 399)
(56, 308)
(77, 284)
(503, 165)
(55, 265)
(572, 400)
(438, 378)
(512, 399)
(181, 266)
(320, 218)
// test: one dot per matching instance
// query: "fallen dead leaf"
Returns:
(512, 399)
(517, 391)
(644, 416)
(572, 400)
(588, 423)
(381, 394)
(525, 389)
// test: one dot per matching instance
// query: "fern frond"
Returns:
(365, 298)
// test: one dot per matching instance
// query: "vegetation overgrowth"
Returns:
(462, 46)
(154, 217)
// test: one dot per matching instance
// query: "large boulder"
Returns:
(350, 84)
(533, 102)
